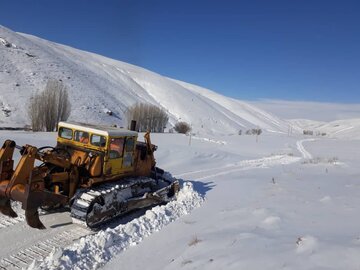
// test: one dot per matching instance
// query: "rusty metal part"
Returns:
(7, 150)
(55, 158)
(6, 171)
(26, 185)
(6, 161)
(33, 220)
(5, 208)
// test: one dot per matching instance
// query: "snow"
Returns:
(345, 129)
(316, 111)
(280, 200)
(301, 148)
(334, 120)
(99, 85)
(249, 221)
(245, 204)
(94, 250)
(101, 89)
(306, 244)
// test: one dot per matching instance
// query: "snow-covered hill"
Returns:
(97, 84)
(346, 129)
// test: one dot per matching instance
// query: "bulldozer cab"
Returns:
(114, 148)
(120, 156)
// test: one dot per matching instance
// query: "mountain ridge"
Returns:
(98, 84)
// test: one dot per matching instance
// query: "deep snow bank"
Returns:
(94, 250)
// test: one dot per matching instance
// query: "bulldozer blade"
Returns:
(5, 208)
(33, 220)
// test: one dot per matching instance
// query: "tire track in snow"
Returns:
(302, 150)
(51, 252)
(6, 221)
(23, 257)
(240, 166)
(76, 247)
(342, 130)
(249, 164)
(93, 251)
(23, 244)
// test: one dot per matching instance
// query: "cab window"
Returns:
(81, 136)
(116, 148)
(98, 140)
(129, 146)
(65, 133)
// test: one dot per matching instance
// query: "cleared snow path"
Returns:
(23, 258)
(95, 250)
(22, 244)
(302, 149)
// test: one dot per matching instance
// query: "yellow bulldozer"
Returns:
(98, 172)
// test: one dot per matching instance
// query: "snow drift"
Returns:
(94, 250)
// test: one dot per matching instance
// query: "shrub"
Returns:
(182, 127)
(308, 132)
(147, 117)
(194, 241)
(49, 107)
(254, 131)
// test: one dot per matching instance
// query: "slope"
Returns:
(97, 84)
(344, 129)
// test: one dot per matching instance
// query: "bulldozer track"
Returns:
(115, 196)
(39, 244)
(22, 258)
(8, 221)
(42, 246)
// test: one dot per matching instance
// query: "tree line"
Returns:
(49, 107)
(52, 105)
(147, 117)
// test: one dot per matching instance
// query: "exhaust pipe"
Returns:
(133, 125)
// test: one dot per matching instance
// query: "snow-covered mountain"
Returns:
(97, 84)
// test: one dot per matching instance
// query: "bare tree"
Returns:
(182, 127)
(147, 117)
(63, 103)
(34, 110)
(49, 107)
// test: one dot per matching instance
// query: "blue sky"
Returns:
(293, 50)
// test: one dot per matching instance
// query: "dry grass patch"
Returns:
(194, 241)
